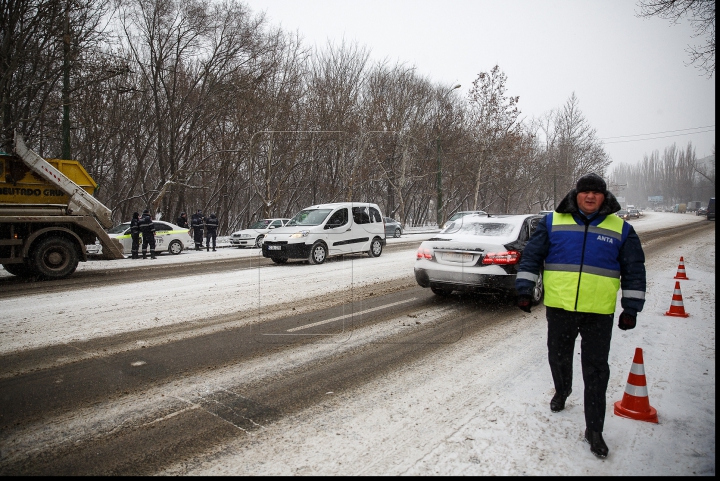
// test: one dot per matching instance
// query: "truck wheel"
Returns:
(175, 247)
(55, 258)
(20, 270)
(375, 247)
(318, 253)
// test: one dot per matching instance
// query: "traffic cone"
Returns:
(635, 403)
(676, 306)
(681, 270)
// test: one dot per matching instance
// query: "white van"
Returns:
(324, 230)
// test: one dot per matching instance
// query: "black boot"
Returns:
(152, 255)
(208, 249)
(135, 255)
(144, 255)
(597, 443)
(557, 403)
(213, 249)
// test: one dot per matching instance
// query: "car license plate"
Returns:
(274, 248)
(456, 257)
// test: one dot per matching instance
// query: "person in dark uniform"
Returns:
(147, 229)
(585, 254)
(182, 220)
(135, 235)
(197, 227)
(211, 225)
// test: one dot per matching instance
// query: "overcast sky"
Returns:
(629, 74)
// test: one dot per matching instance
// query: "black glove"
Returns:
(627, 321)
(524, 303)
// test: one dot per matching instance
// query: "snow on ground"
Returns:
(479, 406)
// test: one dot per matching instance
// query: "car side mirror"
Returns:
(271, 227)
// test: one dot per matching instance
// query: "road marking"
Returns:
(138, 363)
(319, 323)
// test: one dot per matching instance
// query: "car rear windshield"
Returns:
(261, 224)
(483, 229)
(309, 217)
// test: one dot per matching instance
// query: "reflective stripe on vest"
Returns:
(582, 271)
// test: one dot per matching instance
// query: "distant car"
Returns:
(458, 215)
(168, 237)
(634, 213)
(254, 235)
(623, 214)
(393, 228)
(479, 254)
(701, 211)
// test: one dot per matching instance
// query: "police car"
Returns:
(168, 237)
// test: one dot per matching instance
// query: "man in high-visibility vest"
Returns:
(585, 254)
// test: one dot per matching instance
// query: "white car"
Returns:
(477, 253)
(168, 237)
(324, 230)
(254, 235)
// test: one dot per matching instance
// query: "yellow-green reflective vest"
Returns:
(582, 269)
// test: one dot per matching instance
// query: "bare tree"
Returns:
(700, 14)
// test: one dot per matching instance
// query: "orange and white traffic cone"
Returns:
(681, 270)
(635, 403)
(676, 306)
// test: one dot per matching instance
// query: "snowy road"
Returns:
(474, 404)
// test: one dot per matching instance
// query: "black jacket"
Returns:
(211, 225)
(182, 222)
(134, 226)
(632, 257)
(146, 225)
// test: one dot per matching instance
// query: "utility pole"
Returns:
(439, 160)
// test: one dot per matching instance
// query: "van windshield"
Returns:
(309, 217)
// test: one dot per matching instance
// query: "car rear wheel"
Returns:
(538, 291)
(318, 253)
(259, 241)
(441, 291)
(375, 247)
(175, 247)
(397, 233)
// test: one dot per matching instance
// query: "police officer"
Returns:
(211, 225)
(197, 226)
(135, 234)
(147, 229)
(182, 220)
(587, 254)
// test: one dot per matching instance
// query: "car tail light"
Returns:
(507, 257)
(424, 253)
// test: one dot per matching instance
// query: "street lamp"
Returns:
(439, 159)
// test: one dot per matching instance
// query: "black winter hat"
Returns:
(135, 215)
(591, 182)
(146, 211)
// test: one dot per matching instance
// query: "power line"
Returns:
(654, 138)
(663, 132)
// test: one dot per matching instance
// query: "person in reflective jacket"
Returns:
(585, 254)
(135, 235)
(211, 225)
(147, 229)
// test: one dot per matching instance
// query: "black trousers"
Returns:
(135, 243)
(595, 331)
(198, 235)
(208, 236)
(148, 239)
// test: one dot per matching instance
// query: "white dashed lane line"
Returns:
(326, 321)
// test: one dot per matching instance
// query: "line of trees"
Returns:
(177, 105)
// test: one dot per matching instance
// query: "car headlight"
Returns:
(302, 233)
